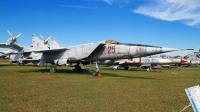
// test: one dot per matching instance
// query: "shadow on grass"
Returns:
(59, 71)
(67, 71)
(122, 69)
(35, 69)
(46, 71)
(123, 76)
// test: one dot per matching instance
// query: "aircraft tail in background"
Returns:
(38, 44)
(55, 44)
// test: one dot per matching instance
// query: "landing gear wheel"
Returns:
(53, 69)
(126, 68)
(18, 63)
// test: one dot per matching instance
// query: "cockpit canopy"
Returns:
(111, 42)
(130, 44)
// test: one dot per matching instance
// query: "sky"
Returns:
(166, 23)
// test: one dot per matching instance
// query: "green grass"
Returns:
(31, 88)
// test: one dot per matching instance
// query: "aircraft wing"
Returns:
(49, 50)
(13, 46)
(3, 45)
(95, 49)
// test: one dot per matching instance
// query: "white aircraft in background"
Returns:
(193, 59)
(176, 62)
(144, 62)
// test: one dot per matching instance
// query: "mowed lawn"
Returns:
(31, 88)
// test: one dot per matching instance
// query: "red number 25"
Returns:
(111, 49)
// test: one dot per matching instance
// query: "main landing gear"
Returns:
(53, 69)
(97, 73)
(126, 67)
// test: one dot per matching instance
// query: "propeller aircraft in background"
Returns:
(11, 42)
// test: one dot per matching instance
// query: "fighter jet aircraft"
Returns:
(176, 62)
(37, 44)
(86, 53)
(12, 42)
(144, 62)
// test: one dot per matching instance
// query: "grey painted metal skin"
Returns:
(16, 57)
(86, 53)
(5, 53)
(31, 54)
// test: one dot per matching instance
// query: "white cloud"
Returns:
(111, 2)
(186, 11)
(76, 6)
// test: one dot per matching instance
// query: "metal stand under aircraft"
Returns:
(53, 68)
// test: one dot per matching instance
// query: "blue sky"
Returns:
(167, 23)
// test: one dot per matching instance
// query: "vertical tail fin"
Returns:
(38, 44)
(55, 44)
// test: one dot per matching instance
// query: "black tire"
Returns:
(126, 68)
(18, 63)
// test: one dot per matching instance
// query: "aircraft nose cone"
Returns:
(183, 61)
(165, 49)
(165, 61)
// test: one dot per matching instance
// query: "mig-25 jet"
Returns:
(91, 52)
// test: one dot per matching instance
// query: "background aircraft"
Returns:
(6, 53)
(12, 42)
(37, 44)
(176, 62)
(144, 62)
(193, 59)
